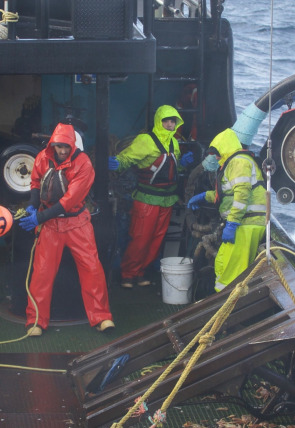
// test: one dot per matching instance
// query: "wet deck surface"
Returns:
(32, 399)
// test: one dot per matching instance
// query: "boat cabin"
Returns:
(105, 66)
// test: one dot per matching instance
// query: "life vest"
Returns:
(163, 171)
(54, 183)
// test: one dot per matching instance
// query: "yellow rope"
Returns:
(33, 368)
(206, 338)
(220, 317)
(8, 17)
(149, 369)
(283, 280)
(19, 214)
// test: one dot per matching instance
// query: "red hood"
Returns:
(62, 134)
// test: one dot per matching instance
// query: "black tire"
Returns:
(16, 163)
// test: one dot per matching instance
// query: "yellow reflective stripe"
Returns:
(229, 184)
(256, 208)
(243, 179)
(219, 287)
(239, 205)
(226, 186)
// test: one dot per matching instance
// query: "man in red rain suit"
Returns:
(61, 179)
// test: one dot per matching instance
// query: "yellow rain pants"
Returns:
(233, 259)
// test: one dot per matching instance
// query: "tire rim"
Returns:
(17, 172)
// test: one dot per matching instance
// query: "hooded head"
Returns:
(63, 134)
(165, 112)
(225, 144)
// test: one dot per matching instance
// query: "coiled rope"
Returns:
(19, 214)
(205, 338)
(8, 17)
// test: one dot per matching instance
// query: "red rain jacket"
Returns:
(79, 172)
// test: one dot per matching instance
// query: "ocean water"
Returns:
(258, 62)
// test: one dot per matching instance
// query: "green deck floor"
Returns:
(131, 310)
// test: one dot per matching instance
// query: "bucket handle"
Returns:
(175, 288)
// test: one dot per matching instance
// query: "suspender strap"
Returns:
(76, 153)
(259, 183)
(254, 214)
(160, 145)
(75, 214)
(163, 192)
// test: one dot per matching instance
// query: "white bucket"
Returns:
(177, 280)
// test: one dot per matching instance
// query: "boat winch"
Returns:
(283, 154)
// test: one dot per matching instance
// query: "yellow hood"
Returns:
(226, 143)
(162, 112)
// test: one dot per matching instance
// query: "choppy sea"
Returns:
(261, 60)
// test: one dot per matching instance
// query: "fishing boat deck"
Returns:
(29, 399)
(131, 309)
(32, 398)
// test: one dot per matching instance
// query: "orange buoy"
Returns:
(6, 220)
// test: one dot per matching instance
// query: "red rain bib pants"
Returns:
(149, 224)
(77, 234)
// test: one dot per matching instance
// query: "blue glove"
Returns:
(30, 222)
(186, 159)
(210, 163)
(194, 202)
(229, 232)
(113, 163)
(30, 209)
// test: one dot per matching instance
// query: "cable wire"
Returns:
(269, 146)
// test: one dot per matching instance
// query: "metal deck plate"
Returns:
(34, 399)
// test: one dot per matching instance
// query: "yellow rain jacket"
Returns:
(143, 152)
(242, 196)
(241, 183)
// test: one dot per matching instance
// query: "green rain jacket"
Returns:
(243, 194)
(142, 152)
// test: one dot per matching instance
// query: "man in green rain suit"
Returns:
(156, 156)
(241, 196)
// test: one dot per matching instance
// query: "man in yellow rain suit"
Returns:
(241, 196)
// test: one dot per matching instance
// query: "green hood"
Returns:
(161, 113)
(226, 143)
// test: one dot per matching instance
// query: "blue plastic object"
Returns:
(194, 202)
(229, 232)
(117, 366)
(247, 124)
(187, 159)
(30, 222)
(113, 163)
